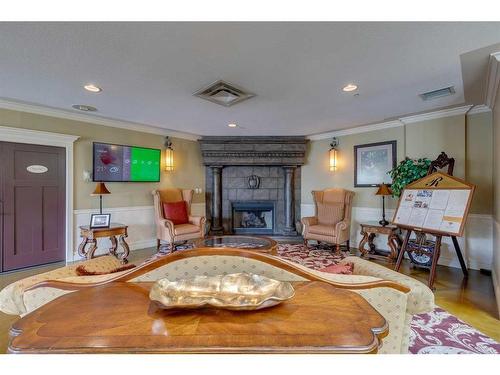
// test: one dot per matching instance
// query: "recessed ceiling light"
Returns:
(85, 108)
(92, 88)
(349, 87)
(232, 125)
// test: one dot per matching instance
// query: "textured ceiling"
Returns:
(148, 71)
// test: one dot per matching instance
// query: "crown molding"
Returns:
(492, 79)
(482, 108)
(462, 110)
(356, 130)
(401, 121)
(19, 135)
(93, 119)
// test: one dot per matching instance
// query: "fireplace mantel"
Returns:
(253, 150)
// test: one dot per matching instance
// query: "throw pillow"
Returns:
(176, 212)
(341, 269)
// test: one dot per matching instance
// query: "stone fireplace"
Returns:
(253, 184)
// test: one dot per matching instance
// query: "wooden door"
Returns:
(33, 186)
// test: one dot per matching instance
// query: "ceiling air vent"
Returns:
(223, 93)
(446, 91)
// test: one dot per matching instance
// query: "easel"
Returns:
(441, 162)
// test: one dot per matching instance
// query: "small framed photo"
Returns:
(100, 220)
(372, 162)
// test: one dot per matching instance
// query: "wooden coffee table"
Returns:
(264, 244)
(120, 318)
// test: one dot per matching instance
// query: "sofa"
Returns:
(395, 296)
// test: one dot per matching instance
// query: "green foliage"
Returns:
(406, 172)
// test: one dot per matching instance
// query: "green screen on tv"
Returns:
(126, 163)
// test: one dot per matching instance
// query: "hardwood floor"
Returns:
(472, 300)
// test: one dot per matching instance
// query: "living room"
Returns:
(184, 171)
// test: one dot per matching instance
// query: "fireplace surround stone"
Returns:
(232, 166)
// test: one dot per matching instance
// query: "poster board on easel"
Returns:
(436, 204)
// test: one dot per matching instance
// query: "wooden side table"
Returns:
(369, 231)
(90, 236)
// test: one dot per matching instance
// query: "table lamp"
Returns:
(383, 190)
(100, 190)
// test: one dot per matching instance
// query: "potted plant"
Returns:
(406, 172)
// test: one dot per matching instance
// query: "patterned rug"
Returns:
(437, 332)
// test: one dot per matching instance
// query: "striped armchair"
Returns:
(332, 222)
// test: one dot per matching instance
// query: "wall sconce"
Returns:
(333, 153)
(169, 155)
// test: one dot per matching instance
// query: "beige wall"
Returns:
(422, 139)
(316, 175)
(429, 138)
(479, 162)
(188, 172)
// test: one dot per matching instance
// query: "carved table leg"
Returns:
(361, 246)
(371, 245)
(114, 245)
(93, 248)
(123, 256)
(81, 247)
(394, 243)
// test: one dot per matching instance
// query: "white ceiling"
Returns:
(148, 71)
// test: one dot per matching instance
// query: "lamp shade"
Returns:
(169, 159)
(383, 189)
(333, 159)
(101, 189)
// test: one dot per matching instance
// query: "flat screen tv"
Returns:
(121, 163)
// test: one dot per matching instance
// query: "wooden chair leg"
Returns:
(337, 248)
(348, 244)
(172, 247)
(158, 243)
(305, 242)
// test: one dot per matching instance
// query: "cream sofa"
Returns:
(395, 296)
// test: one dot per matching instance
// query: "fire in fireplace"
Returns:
(253, 217)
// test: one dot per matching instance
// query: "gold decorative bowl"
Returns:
(237, 291)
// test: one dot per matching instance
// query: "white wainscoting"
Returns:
(476, 245)
(140, 221)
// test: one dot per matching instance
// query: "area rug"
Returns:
(437, 332)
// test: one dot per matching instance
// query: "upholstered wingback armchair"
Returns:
(165, 229)
(332, 221)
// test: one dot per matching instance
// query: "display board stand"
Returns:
(437, 204)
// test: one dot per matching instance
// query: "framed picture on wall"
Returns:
(372, 161)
